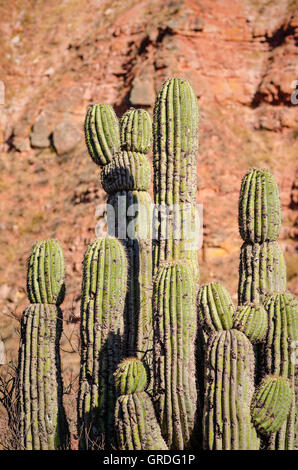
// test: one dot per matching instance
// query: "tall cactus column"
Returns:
(127, 180)
(262, 267)
(175, 134)
(278, 354)
(102, 327)
(174, 353)
(229, 387)
(42, 420)
(126, 176)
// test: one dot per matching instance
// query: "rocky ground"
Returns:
(58, 56)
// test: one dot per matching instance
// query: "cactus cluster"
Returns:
(165, 364)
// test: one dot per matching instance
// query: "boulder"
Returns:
(65, 137)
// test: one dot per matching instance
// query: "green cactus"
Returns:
(278, 353)
(262, 267)
(46, 269)
(252, 320)
(229, 386)
(130, 376)
(102, 134)
(102, 306)
(175, 139)
(135, 421)
(126, 179)
(271, 404)
(136, 131)
(262, 270)
(42, 420)
(215, 307)
(128, 171)
(174, 316)
(259, 207)
(43, 424)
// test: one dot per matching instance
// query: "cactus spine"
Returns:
(262, 267)
(278, 354)
(229, 385)
(102, 306)
(271, 404)
(175, 126)
(136, 424)
(42, 420)
(174, 360)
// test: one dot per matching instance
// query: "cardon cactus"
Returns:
(126, 177)
(46, 269)
(102, 134)
(259, 207)
(215, 307)
(271, 404)
(278, 353)
(229, 387)
(262, 267)
(262, 270)
(252, 320)
(135, 421)
(136, 131)
(102, 327)
(175, 147)
(174, 316)
(42, 420)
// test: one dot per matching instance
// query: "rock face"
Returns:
(65, 137)
(40, 132)
(239, 56)
(142, 91)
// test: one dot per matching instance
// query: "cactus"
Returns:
(174, 361)
(262, 270)
(229, 385)
(215, 307)
(42, 420)
(45, 278)
(278, 356)
(136, 131)
(102, 134)
(252, 320)
(128, 171)
(262, 267)
(175, 146)
(259, 207)
(271, 404)
(135, 421)
(102, 306)
(127, 179)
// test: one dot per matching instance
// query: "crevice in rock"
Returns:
(279, 36)
(279, 99)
